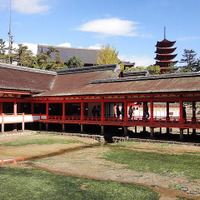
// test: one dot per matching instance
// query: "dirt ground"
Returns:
(11, 152)
(88, 163)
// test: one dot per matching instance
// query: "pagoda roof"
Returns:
(165, 43)
(163, 57)
(165, 63)
(165, 50)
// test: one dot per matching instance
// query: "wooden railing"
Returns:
(135, 121)
(20, 117)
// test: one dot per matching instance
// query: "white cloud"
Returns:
(32, 47)
(110, 27)
(96, 46)
(66, 44)
(29, 6)
(189, 38)
(139, 60)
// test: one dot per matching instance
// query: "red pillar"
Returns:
(82, 111)
(151, 111)
(167, 116)
(181, 111)
(102, 110)
(144, 108)
(47, 110)
(193, 116)
(63, 110)
(125, 111)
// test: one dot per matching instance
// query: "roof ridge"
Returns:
(113, 67)
(28, 69)
(60, 47)
(151, 77)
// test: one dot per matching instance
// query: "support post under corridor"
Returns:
(63, 127)
(151, 132)
(135, 129)
(47, 126)
(82, 128)
(102, 129)
(181, 134)
(125, 130)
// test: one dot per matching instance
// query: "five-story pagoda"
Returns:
(164, 54)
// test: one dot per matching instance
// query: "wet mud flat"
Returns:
(86, 161)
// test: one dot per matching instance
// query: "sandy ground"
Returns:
(88, 163)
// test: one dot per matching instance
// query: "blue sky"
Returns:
(132, 26)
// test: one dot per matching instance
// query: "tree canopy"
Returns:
(190, 61)
(155, 69)
(2, 47)
(50, 60)
(108, 55)
(74, 62)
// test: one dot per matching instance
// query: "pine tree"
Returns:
(74, 62)
(189, 58)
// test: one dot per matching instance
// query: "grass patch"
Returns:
(41, 141)
(175, 186)
(125, 144)
(182, 198)
(162, 164)
(26, 184)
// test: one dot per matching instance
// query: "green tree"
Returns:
(52, 50)
(128, 69)
(2, 50)
(74, 62)
(2, 47)
(48, 61)
(108, 55)
(173, 68)
(3, 56)
(197, 65)
(154, 68)
(23, 56)
(189, 58)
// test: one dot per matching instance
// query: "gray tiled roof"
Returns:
(25, 79)
(88, 56)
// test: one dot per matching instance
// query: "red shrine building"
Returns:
(164, 54)
(98, 95)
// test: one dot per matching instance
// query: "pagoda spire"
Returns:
(164, 32)
(10, 37)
